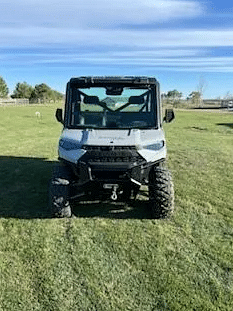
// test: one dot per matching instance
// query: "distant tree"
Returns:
(4, 91)
(40, 93)
(174, 97)
(163, 96)
(22, 90)
(202, 84)
(174, 94)
(228, 96)
(43, 93)
(58, 96)
(227, 101)
(195, 98)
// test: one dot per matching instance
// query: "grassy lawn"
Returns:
(114, 256)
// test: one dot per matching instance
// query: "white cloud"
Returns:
(99, 24)
(95, 13)
(195, 60)
(47, 56)
(40, 36)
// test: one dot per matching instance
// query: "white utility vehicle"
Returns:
(112, 143)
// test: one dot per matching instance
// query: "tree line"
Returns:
(174, 97)
(40, 93)
(43, 93)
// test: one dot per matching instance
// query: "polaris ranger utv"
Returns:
(112, 143)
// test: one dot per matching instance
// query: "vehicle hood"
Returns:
(145, 140)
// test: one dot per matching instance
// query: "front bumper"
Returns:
(112, 173)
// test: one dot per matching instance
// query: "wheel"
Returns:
(59, 192)
(161, 192)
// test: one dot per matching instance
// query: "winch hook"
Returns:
(114, 194)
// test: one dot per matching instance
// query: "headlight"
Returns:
(158, 145)
(69, 144)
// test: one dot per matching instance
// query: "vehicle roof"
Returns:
(89, 81)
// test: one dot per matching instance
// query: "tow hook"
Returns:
(114, 193)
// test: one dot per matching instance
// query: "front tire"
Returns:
(161, 192)
(59, 192)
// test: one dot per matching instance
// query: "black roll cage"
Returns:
(122, 82)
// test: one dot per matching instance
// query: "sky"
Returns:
(185, 44)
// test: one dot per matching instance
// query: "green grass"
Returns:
(110, 256)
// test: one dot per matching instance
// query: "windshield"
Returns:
(124, 108)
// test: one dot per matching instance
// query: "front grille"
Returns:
(97, 154)
(107, 148)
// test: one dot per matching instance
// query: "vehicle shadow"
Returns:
(23, 184)
(135, 209)
(230, 125)
(24, 193)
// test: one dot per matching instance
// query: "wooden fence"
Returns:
(14, 101)
(203, 103)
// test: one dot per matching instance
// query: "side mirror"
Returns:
(169, 115)
(59, 115)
